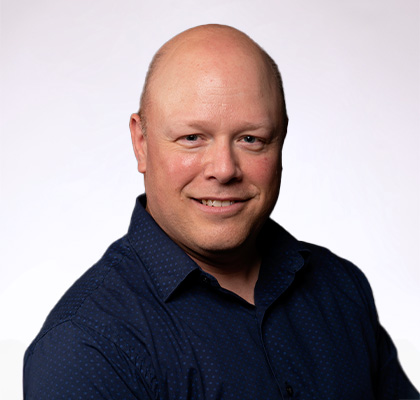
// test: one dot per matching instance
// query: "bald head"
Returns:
(205, 49)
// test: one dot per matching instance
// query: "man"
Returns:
(205, 297)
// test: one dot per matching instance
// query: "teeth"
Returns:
(217, 203)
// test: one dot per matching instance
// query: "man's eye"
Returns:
(250, 139)
(194, 140)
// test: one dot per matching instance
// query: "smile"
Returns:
(217, 203)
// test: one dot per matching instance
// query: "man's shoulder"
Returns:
(323, 270)
(279, 239)
(323, 259)
(92, 325)
(329, 271)
(81, 299)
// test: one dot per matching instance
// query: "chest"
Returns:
(204, 348)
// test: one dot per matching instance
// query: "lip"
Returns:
(236, 199)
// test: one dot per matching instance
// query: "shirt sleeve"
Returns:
(390, 380)
(69, 362)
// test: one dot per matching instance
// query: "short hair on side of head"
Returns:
(145, 94)
(279, 81)
(145, 97)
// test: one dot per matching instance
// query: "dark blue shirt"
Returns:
(146, 322)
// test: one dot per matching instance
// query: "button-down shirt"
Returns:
(146, 322)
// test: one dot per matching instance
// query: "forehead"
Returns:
(229, 72)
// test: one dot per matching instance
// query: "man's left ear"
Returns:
(139, 142)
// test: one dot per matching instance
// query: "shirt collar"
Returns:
(167, 264)
(283, 257)
(279, 247)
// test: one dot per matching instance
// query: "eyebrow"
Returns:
(245, 127)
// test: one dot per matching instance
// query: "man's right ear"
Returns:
(139, 142)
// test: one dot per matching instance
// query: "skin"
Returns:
(213, 132)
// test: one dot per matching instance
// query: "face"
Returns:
(211, 156)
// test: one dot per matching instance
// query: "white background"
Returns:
(71, 74)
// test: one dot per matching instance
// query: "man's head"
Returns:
(273, 70)
(208, 139)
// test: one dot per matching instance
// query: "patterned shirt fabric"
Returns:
(146, 322)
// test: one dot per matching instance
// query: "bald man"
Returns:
(206, 297)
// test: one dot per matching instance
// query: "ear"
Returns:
(139, 142)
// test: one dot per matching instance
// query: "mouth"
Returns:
(227, 206)
(217, 203)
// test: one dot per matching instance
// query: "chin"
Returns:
(223, 244)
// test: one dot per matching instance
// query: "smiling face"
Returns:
(211, 156)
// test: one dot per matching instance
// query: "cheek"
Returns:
(176, 168)
(187, 161)
(264, 171)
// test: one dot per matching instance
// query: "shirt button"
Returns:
(289, 390)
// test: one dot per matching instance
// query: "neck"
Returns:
(239, 274)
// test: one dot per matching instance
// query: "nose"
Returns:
(222, 163)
